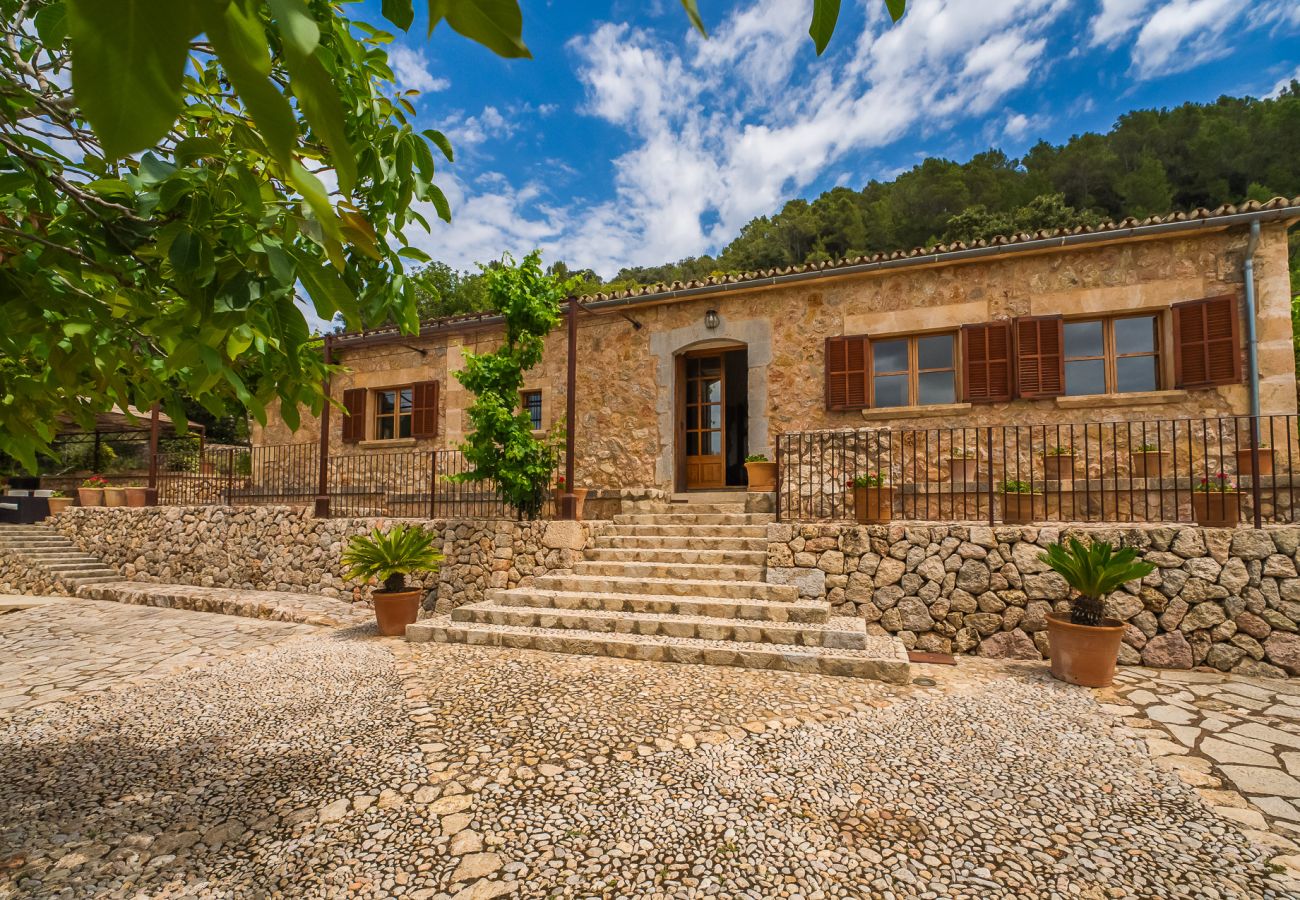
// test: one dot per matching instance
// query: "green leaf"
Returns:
(129, 86)
(190, 149)
(415, 254)
(496, 24)
(300, 32)
(52, 24)
(318, 98)
(186, 252)
(440, 202)
(313, 191)
(400, 12)
(896, 8)
(281, 264)
(154, 170)
(693, 11)
(825, 15)
(439, 140)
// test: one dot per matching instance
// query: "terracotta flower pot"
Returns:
(114, 496)
(1018, 509)
(59, 504)
(579, 496)
(1148, 463)
(1084, 654)
(1244, 466)
(394, 610)
(963, 469)
(1058, 467)
(90, 496)
(761, 476)
(873, 505)
(1217, 509)
(137, 496)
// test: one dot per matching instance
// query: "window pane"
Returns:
(692, 390)
(934, 352)
(936, 387)
(693, 417)
(1086, 377)
(405, 400)
(713, 416)
(1136, 373)
(404, 426)
(1135, 335)
(692, 443)
(712, 442)
(891, 390)
(384, 429)
(713, 391)
(711, 365)
(1082, 339)
(387, 400)
(889, 356)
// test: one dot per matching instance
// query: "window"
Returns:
(1112, 356)
(532, 404)
(393, 409)
(913, 371)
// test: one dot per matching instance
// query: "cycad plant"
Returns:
(391, 556)
(1095, 571)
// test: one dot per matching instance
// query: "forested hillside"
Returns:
(1152, 161)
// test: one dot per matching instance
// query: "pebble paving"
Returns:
(340, 764)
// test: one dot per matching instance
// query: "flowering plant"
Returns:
(559, 482)
(1058, 451)
(95, 481)
(1014, 486)
(1220, 483)
(871, 479)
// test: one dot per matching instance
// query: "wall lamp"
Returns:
(711, 320)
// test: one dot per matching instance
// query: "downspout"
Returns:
(1252, 348)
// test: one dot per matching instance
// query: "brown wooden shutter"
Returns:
(1207, 342)
(986, 362)
(848, 364)
(424, 411)
(354, 415)
(1040, 357)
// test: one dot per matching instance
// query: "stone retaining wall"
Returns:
(279, 548)
(1229, 599)
(18, 576)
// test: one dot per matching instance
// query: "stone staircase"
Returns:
(686, 585)
(56, 557)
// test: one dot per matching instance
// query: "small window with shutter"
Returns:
(1040, 364)
(1207, 342)
(424, 414)
(354, 415)
(847, 372)
(986, 362)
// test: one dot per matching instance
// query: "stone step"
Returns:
(660, 542)
(682, 571)
(691, 498)
(280, 606)
(33, 543)
(673, 587)
(814, 612)
(842, 634)
(690, 531)
(883, 658)
(82, 581)
(704, 555)
(88, 564)
(676, 509)
(56, 556)
(676, 518)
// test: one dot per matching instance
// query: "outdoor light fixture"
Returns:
(711, 319)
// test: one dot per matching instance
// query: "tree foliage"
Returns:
(502, 447)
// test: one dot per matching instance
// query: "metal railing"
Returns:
(1112, 472)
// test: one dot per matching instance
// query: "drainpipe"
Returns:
(1252, 349)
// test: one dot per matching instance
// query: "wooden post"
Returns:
(151, 497)
(323, 480)
(568, 503)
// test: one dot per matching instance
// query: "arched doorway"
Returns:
(712, 415)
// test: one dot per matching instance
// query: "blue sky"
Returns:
(629, 140)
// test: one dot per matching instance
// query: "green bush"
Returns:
(1095, 571)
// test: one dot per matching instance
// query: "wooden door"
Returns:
(704, 412)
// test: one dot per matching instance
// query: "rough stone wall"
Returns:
(280, 548)
(1229, 599)
(17, 576)
(625, 440)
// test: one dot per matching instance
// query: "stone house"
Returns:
(676, 384)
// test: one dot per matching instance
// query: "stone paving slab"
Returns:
(62, 649)
(277, 606)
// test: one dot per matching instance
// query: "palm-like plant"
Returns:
(391, 556)
(1095, 571)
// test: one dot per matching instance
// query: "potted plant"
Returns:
(1018, 502)
(1058, 464)
(59, 501)
(1148, 461)
(1216, 502)
(1244, 462)
(389, 557)
(91, 492)
(114, 495)
(1083, 643)
(579, 497)
(760, 473)
(964, 465)
(873, 500)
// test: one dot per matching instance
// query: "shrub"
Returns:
(391, 556)
(1219, 484)
(1095, 572)
(1012, 486)
(870, 480)
(757, 457)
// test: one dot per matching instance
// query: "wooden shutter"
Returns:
(848, 366)
(986, 362)
(354, 415)
(1040, 357)
(424, 409)
(1207, 342)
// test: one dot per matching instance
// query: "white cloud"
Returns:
(490, 124)
(1117, 19)
(1182, 34)
(1284, 83)
(411, 69)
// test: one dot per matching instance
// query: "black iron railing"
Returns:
(1114, 472)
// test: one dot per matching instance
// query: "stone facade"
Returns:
(1229, 599)
(626, 405)
(286, 549)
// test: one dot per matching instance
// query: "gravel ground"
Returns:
(342, 765)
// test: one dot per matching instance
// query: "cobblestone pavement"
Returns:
(1237, 740)
(347, 765)
(64, 647)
